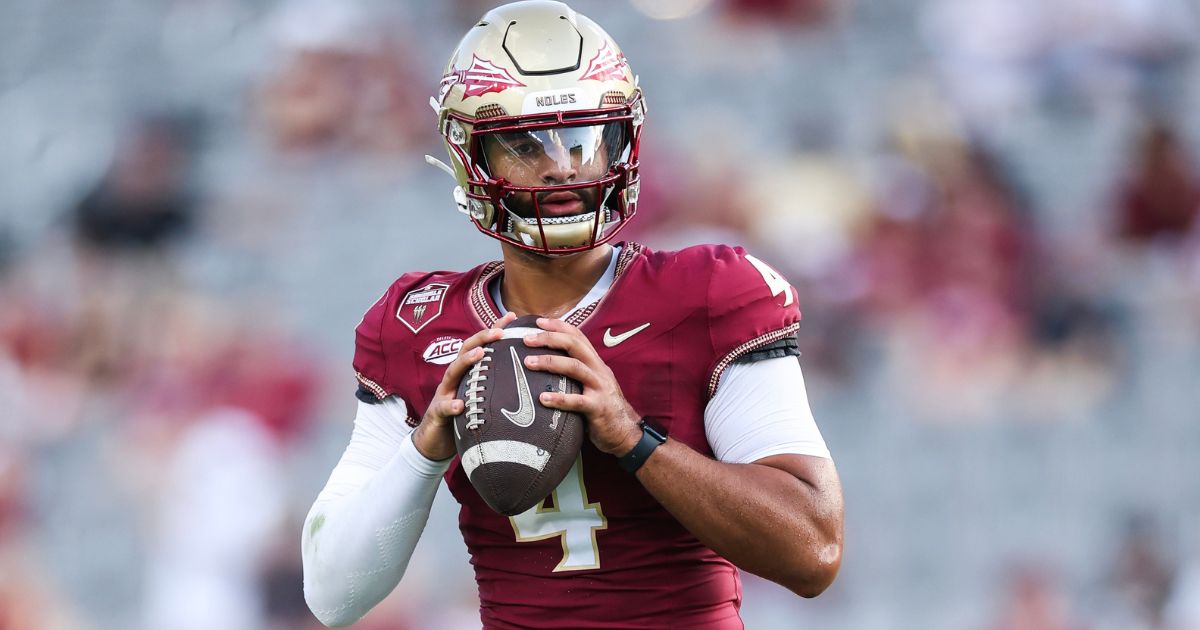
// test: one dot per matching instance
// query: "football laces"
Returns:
(475, 386)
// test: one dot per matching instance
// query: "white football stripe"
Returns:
(509, 451)
(519, 332)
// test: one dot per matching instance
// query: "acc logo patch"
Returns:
(443, 350)
(421, 306)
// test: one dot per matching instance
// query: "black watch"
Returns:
(651, 439)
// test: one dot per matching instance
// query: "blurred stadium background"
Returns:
(989, 208)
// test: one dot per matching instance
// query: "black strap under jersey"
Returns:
(786, 347)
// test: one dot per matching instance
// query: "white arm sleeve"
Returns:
(364, 525)
(761, 409)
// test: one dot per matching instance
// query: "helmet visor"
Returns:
(554, 156)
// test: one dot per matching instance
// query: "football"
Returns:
(514, 450)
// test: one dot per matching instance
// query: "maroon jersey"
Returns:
(600, 552)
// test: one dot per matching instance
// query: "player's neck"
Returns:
(550, 286)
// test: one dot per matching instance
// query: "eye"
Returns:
(525, 148)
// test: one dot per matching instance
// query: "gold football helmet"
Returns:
(542, 118)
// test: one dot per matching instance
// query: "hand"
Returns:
(612, 423)
(434, 437)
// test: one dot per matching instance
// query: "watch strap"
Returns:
(651, 439)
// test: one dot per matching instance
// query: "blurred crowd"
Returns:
(989, 209)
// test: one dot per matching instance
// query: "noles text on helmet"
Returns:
(542, 118)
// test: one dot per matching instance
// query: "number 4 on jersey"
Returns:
(572, 518)
(775, 282)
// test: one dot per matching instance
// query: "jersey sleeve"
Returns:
(750, 307)
(386, 362)
(370, 362)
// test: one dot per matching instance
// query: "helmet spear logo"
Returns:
(607, 65)
(481, 78)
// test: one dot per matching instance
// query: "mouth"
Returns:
(560, 204)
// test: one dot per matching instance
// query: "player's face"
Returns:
(553, 157)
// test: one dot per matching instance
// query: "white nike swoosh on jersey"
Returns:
(523, 416)
(612, 340)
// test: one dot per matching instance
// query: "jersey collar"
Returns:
(484, 305)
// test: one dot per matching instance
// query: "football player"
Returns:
(703, 454)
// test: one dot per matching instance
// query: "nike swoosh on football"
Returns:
(611, 340)
(523, 416)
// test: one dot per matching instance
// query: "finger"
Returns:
(469, 354)
(485, 336)
(557, 325)
(568, 402)
(445, 408)
(561, 341)
(566, 366)
(577, 346)
(457, 368)
(560, 327)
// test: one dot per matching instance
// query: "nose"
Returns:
(560, 167)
